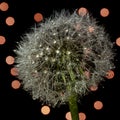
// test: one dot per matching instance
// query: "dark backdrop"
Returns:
(16, 104)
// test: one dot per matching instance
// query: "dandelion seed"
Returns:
(68, 37)
(54, 41)
(66, 30)
(57, 51)
(37, 56)
(68, 52)
(54, 33)
(47, 48)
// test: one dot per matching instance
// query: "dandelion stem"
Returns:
(73, 106)
(72, 76)
(63, 77)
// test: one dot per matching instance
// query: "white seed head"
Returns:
(52, 65)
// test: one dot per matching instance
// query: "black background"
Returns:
(18, 104)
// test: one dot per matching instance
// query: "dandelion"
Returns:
(64, 56)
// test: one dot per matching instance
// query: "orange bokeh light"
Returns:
(10, 21)
(90, 29)
(10, 60)
(45, 110)
(104, 12)
(82, 11)
(82, 116)
(2, 40)
(98, 105)
(68, 116)
(4, 6)
(94, 88)
(110, 74)
(38, 17)
(15, 84)
(118, 41)
(14, 71)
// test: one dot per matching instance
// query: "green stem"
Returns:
(73, 106)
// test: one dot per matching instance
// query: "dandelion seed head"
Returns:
(70, 54)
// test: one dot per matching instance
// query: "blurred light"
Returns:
(82, 11)
(98, 105)
(93, 88)
(118, 41)
(110, 74)
(90, 29)
(10, 60)
(45, 110)
(4, 6)
(15, 84)
(68, 116)
(104, 12)
(14, 71)
(2, 40)
(82, 116)
(10, 21)
(38, 17)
